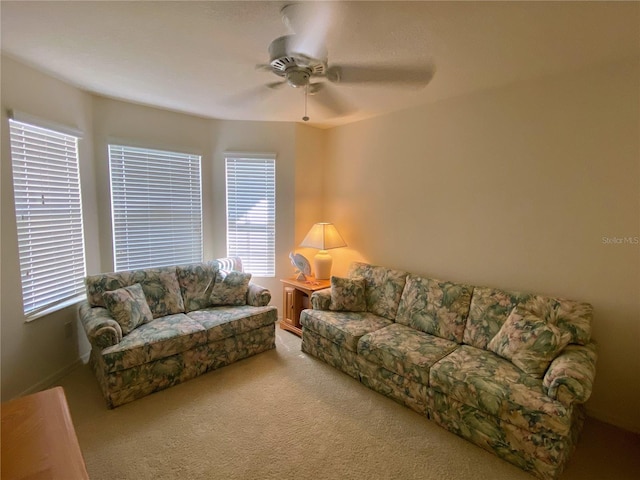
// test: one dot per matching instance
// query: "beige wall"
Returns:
(35, 353)
(513, 188)
(310, 160)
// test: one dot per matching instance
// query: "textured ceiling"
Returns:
(200, 57)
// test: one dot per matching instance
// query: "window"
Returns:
(251, 211)
(156, 207)
(46, 184)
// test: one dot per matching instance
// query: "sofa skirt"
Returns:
(406, 392)
(125, 386)
(542, 454)
(335, 355)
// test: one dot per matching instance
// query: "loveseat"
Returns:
(154, 328)
(509, 371)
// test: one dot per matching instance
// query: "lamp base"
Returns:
(322, 263)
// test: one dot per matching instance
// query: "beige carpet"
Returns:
(285, 415)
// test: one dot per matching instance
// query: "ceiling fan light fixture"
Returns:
(298, 76)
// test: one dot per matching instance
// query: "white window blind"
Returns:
(156, 205)
(251, 211)
(46, 183)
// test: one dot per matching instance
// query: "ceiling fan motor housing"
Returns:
(292, 65)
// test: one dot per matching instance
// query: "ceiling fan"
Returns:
(300, 59)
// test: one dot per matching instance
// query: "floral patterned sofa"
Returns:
(508, 371)
(154, 328)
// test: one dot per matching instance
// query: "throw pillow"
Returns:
(530, 342)
(347, 294)
(128, 306)
(230, 288)
(196, 284)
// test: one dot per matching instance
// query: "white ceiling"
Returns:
(200, 57)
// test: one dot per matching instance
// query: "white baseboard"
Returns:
(52, 379)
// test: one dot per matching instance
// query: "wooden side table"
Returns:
(296, 297)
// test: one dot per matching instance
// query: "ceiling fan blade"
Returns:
(311, 22)
(274, 85)
(407, 76)
(329, 99)
(250, 96)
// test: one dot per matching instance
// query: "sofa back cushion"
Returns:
(436, 307)
(160, 287)
(491, 307)
(383, 288)
(569, 315)
(196, 284)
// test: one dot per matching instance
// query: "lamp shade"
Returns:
(323, 236)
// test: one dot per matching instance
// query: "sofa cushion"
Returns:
(383, 288)
(405, 351)
(489, 309)
(347, 294)
(157, 339)
(224, 322)
(160, 286)
(230, 288)
(436, 307)
(342, 328)
(569, 315)
(529, 342)
(482, 380)
(128, 306)
(196, 283)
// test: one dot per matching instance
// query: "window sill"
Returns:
(54, 308)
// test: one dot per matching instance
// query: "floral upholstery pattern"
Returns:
(493, 385)
(383, 288)
(196, 283)
(347, 294)
(227, 321)
(343, 328)
(539, 453)
(101, 329)
(158, 339)
(436, 307)
(124, 386)
(258, 296)
(570, 376)
(230, 288)
(128, 306)
(321, 299)
(570, 316)
(489, 309)
(173, 347)
(160, 286)
(404, 351)
(529, 342)
(335, 355)
(419, 360)
(404, 391)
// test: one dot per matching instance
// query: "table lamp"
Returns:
(323, 236)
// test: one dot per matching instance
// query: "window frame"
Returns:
(267, 268)
(54, 167)
(189, 178)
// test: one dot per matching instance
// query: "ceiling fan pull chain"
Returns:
(306, 93)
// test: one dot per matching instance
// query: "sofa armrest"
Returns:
(570, 376)
(258, 296)
(101, 329)
(321, 299)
